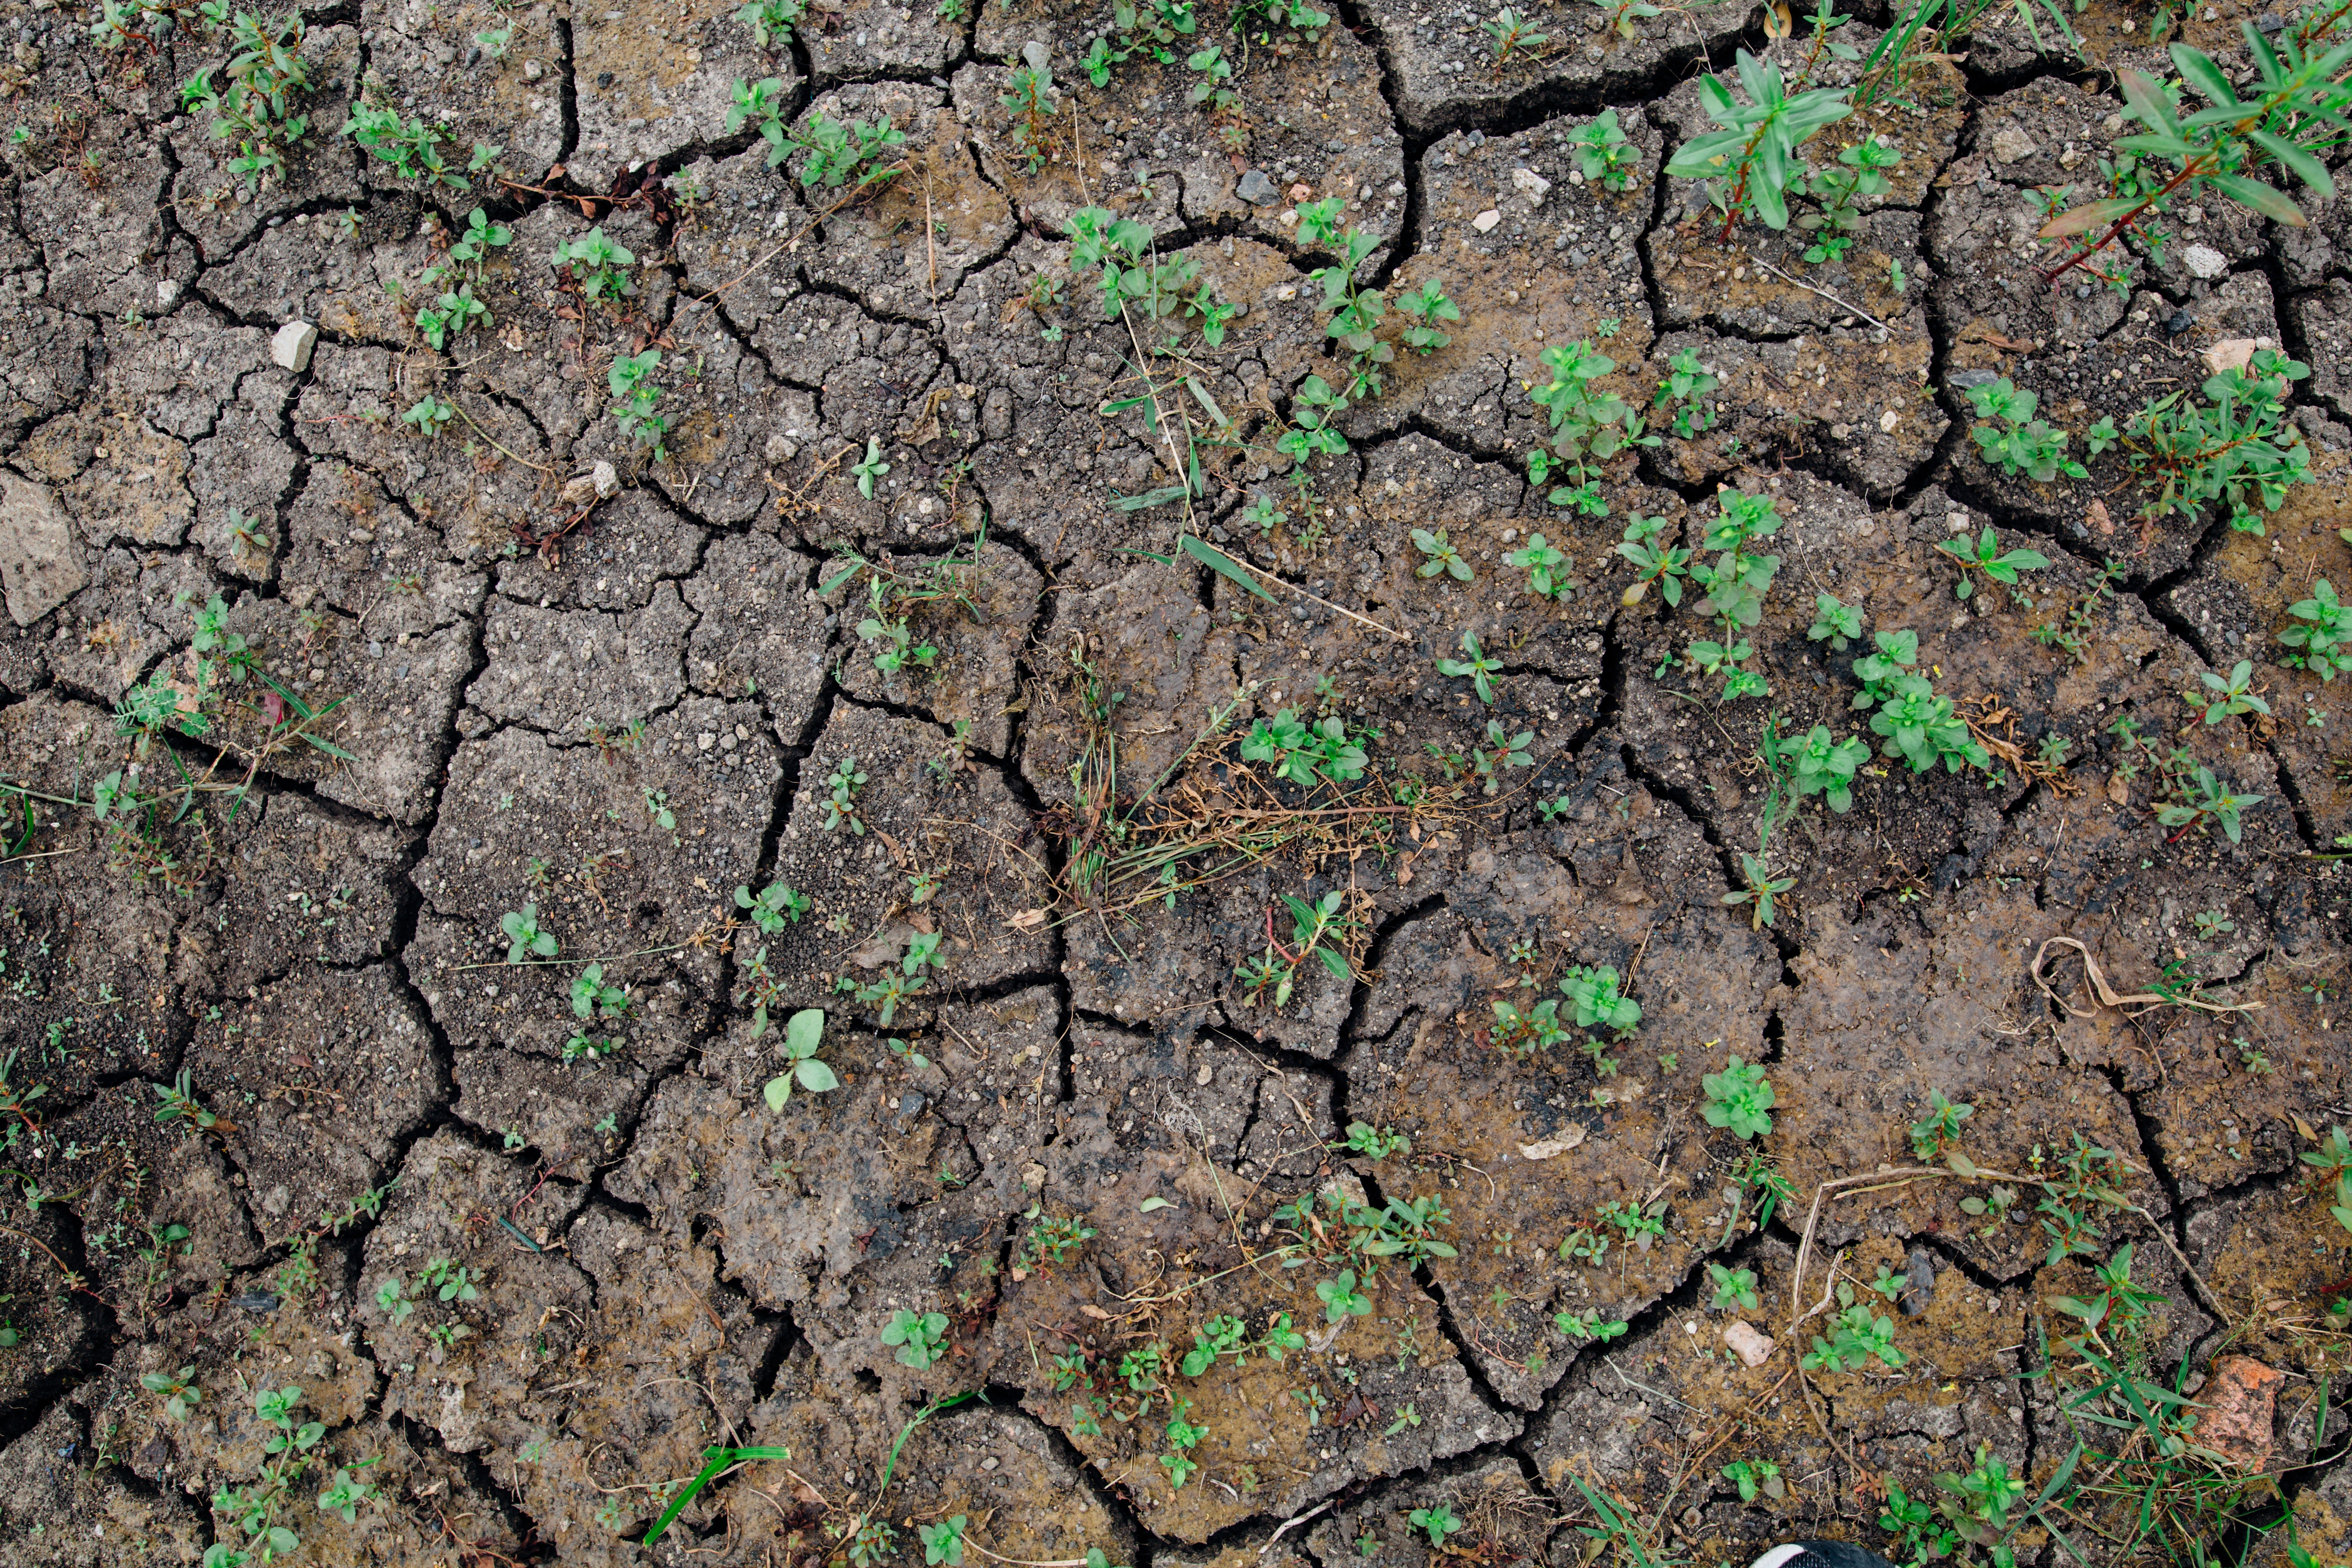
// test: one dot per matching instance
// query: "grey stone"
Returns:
(291, 348)
(2012, 145)
(1257, 189)
(2204, 261)
(1963, 379)
(40, 564)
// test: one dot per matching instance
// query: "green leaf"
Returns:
(1149, 1204)
(1160, 497)
(1223, 564)
(2296, 160)
(815, 1077)
(778, 1091)
(803, 1030)
(2260, 197)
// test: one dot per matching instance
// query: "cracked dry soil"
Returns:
(625, 722)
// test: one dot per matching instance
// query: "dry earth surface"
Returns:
(524, 1249)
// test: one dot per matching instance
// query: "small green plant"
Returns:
(773, 906)
(1587, 1326)
(920, 1339)
(772, 21)
(841, 798)
(1860, 172)
(1424, 307)
(830, 151)
(1587, 427)
(413, 147)
(593, 1000)
(1443, 557)
(1748, 164)
(1514, 40)
(524, 939)
(1306, 752)
(176, 1102)
(1437, 1522)
(2117, 1310)
(870, 467)
(594, 263)
(2233, 696)
(636, 397)
(1341, 1299)
(804, 1033)
(2012, 441)
(1604, 156)
(1503, 751)
(1318, 930)
(1733, 1287)
(1478, 668)
(1980, 1502)
(2324, 635)
(1756, 1477)
(1029, 95)
(450, 315)
(1373, 1142)
(429, 414)
(1855, 1337)
(1740, 1099)
(1924, 730)
(179, 1390)
(1817, 763)
(1052, 1240)
(1683, 392)
(1940, 1128)
(472, 247)
(1984, 555)
(2204, 800)
(1656, 562)
(943, 1541)
(1923, 1541)
(888, 627)
(1834, 622)
(265, 73)
(1542, 563)
(2236, 449)
(1594, 995)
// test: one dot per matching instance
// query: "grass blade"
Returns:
(1223, 564)
(714, 1461)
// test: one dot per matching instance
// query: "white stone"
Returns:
(167, 289)
(2204, 261)
(608, 480)
(1888, 420)
(1527, 180)
(1750, 1344)
(2010, 146)
(1485, 220)
(2230, 353)
(291, 348)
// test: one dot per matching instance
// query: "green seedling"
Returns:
(636, 397)
(1341, 1299)
(1443, 557)
(2012, 441)
(841, 798)
(1373, 1142)
(1426, 307)
(1542, 563)
(1817, 763)
(2203, 801)
(920, 1339)
(2233, 696)
(1923, 729)
(1984, 555)
(804, 1033)
(771, 23)
(1586, 1326)
(714, 1461)
(1740, 1099)
(1733, 1287)
(1748, 164)
(1834, 622)
(773, 906)
(1940, 1128)
(1306, 752)
(2324, 635)
(1856, 1336)
(1477, 667)
(1756, 1477)
(1684, 392)
(2236, 449)
(1656, 562)
(1436, 1523)
(429, 414)
(1594, 995)
(176, 1102)
(450, 315)
(870, 467)
(1897, 654)
(1604, 156)
(179, 1389)
(524, 939)
(595, 264)
(481, 237)
(1761, 888)
(592, 999)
